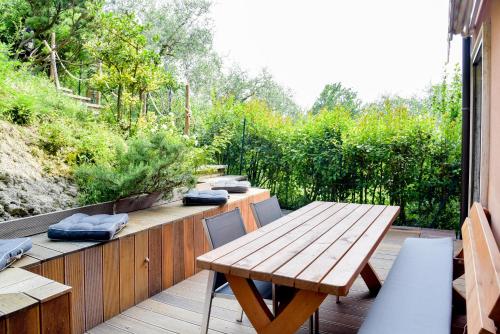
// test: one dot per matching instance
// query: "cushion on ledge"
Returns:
(84, 227)
(205, 197)
(13, 249)
(232, 186)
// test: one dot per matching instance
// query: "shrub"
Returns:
(160, 162)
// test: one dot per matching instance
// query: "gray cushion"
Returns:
(12, 249)
(84, 227)
(232, 186)
(416, 296)
(206, 197)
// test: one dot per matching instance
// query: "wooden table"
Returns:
(317, 250)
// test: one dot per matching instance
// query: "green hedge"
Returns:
(397, 152)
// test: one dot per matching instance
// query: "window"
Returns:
(476, 114)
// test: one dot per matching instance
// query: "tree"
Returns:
(334, 95)
(24, 24)
(129, 67)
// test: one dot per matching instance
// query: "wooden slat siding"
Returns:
(110, 279)
(245, 249)
(349, 269)
(199, 238)
(55, 315)
(167, 265)
(93, 287)
(178, 251)
(141, 267)
(35, 269)
(318, 225)
(127, 277)
(74, 268)
(54, 269)
(340, 243)
(488, 260)
(26, 321)
(155, 260)
(188, 235)
(205, 261)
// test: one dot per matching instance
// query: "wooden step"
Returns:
(66, 90)
(78, 97)
(94, 106)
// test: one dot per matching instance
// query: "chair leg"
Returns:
(240, 319)
(311, 324)
(275, 302)
(208, 303)
(338, 299)
(316, 322)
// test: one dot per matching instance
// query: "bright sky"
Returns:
(376, 47)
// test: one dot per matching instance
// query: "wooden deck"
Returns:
(179, 308)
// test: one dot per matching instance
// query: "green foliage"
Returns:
(129, 67)
(159, 162)
(335, 95)
(24, 24)
(67, 131)
(395, 152)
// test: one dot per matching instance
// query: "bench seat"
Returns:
(416, 297)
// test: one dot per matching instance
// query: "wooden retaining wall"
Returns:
(157, 249)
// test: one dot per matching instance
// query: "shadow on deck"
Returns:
(179, 308)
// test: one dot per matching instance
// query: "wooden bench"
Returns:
(399, 308)
(30, 303)
(157, 249)
(482, 273)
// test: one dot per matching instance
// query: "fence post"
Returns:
(98, 95)
(187, 117)
(242, 144)
(53, 64)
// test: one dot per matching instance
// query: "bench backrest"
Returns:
(482, 273)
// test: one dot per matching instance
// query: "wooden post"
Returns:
(53, 63)
(98, 94)
(187, 119)
(144, 100)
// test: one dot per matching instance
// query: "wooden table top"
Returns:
(322, 246)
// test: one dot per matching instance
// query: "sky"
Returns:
(375, 47)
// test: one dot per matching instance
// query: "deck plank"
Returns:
(179, 308)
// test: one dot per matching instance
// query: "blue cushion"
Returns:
(12, 249)
(416, 296)
(84, 227)
(265, 289)
(206, 197)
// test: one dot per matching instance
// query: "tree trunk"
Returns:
(119, 103)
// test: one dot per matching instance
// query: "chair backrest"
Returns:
(222, 229)
(266, 211)
(482, 273)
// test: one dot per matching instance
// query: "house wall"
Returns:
(493, 200)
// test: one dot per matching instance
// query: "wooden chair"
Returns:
(220, 230)
(481, 258)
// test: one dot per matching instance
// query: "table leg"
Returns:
(289, 319)
(371, 279)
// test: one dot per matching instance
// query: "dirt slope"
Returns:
(26, 188)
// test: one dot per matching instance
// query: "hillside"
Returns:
(26, 187)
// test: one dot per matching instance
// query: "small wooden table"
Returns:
(317, 250)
